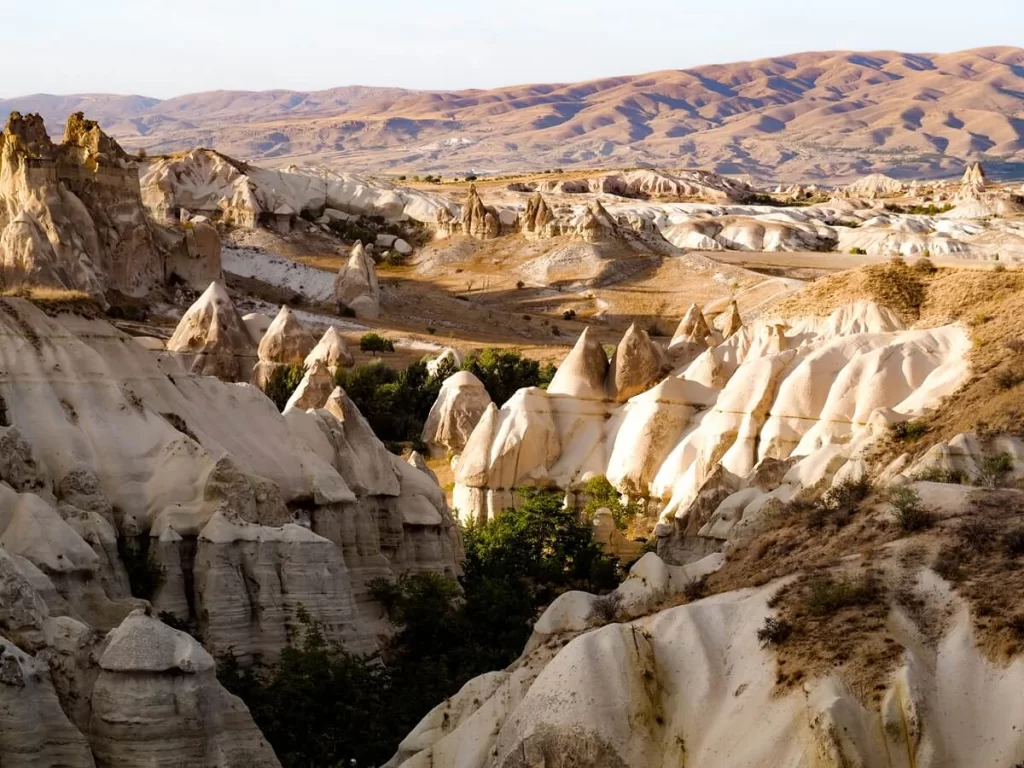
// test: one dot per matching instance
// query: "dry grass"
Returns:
(990, 304)
(54, 301)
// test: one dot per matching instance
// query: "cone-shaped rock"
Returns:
(459, 406)
(636, 365)
(356, 285)
(363, 456)
(691, 337)
(212, 339)
(734, 323)
(416, 460)
(332, 350)
(314, 389)
(583, 371)
(287, 340)
(477, 220)
(539, 220)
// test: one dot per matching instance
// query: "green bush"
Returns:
(504, 372)
(774, 632)
(992, 470)
(858, 251)
(908, 430)
(602, 494)
(827, 594)
(910, 515)
(283, 382)
(374, 343)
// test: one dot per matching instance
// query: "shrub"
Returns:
(600, 493)
(999, 268)
(431, 330)
(569, 314)
(948, 562)
(774, 632)
(1013, 542)
(910, 515)
(977, 534)
(606, 609)
(283, 382)
(908, 430)
(520, 285)
(992, 470)
(940, 475)
(374, 343)
(925, 265)
(858, 251)
(1014, 345)
(695, 589)
(840, 502)
(827, 595)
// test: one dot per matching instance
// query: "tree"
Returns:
(374, 343)
(503, 372)
(601, 494)
(283, 382)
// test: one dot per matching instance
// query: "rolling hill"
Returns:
(822, 116)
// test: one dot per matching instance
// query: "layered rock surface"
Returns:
(815, 390)
(106, 450)
(356, 287)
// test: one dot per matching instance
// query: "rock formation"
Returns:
(286, 342)
(71, 215)
(972, 186)
(247, 513)
(875, 186)
(356, 287)
(193, 254)
(332, 350)
(539, 221)
(458, 408)
(316, 386)
(733, 323)
(756, 395)
(211, 339)
(636, 365)
(244, 195)
(692, 337)
(479, 221)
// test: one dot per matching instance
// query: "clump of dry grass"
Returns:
(55, 300)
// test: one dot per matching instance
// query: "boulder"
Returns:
(157, 702)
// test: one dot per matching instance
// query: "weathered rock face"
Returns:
(240, 194)
(71, 215)
(636, 365)
(332, 350)
(193, 252)
(356, 286)
(819, 389)
(157, 702)
(247, 513)
(316, 386)
(692, 337)
(212, 339)
(479, 221)
(459, 406)
(539, 221)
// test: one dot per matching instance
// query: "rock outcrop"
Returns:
(458, 408)
(332, 351)
(356, 287)
(814, 389)
(71, 215)
(212, 339)
(157, 702)
(692, 337)
(247, 513)
(479, 221)
(244, 195)
(286, 342)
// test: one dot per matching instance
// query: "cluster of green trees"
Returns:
(396, 402)
(322, 706)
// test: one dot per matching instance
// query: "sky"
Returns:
(163, 49)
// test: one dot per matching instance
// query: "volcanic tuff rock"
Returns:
(240, 194)
(819, 388)
(286, 342)
(71, 215)
(356, 285)
(459, 406)
(247, 512)
(332, 350)
(211, 339)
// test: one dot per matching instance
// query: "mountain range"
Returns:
(824, 116)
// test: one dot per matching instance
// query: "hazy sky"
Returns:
(179, 46)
